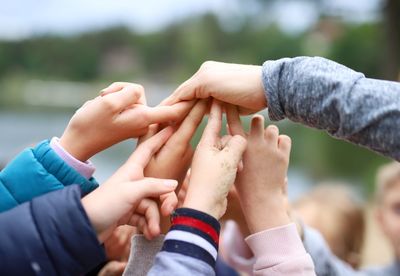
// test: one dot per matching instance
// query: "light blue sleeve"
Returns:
(167, 263)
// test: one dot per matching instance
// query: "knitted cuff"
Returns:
(194, 234)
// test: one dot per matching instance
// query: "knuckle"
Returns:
(109, 104)
(139, 87)
(207, 65)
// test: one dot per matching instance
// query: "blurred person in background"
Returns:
(388, 211)
(332, 210)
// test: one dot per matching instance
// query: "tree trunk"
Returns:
(392, 29)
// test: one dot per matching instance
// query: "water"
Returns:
(20, 129)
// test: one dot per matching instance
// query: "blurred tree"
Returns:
(391, 11)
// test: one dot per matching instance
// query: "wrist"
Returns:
(266, 213)
(74, 148)
(202, 204)
(202, 207)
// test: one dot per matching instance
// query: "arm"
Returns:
(191, 245)
(326, 95)
(274, 241)
(311, 90)
(55, 234)
(37, 171)
(62, 234)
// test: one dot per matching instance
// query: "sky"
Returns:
(24, 18)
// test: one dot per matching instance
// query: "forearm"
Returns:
(55, 234)
(279, 251)
(43, 171)
(326, 95)
(275, 242)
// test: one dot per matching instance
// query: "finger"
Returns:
(257, 126)
(188, 127)
(134, 220)
(139, 221)
(113, 268)
(213, 128)
(237, 146)
(168, 203)
(151, 187)
(285, 143)
(183, 189)
(142, 225)
(114, 87)
(118, 86)
(152, 215)
(233, 118)
(271, 134)
(145, 151)
(186, 91)
(124, 98)
(224, 140)
(152, 130)
(163, 114)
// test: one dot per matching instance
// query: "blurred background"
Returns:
(55, 55)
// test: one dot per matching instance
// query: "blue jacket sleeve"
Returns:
(50, 235)
(37, 171)
(190, 247)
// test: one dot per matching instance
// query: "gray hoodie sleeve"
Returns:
(326, 95)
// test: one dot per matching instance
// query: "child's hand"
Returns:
(237, 84)
(261, 184)
(214, 167)
(173, 160)
(114, 117)
(126, 198)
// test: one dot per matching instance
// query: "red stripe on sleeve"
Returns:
(198, 224)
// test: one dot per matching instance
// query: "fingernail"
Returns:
(171, 183)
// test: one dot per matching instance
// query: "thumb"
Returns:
(237, 145)
(152, 187)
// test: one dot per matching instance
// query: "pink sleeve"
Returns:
(86, 169)
(279, 251)
(234, 250)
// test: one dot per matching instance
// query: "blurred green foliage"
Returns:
(177, 51)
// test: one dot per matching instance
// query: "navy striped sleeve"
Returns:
(194, 234)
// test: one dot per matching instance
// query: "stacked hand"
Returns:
(261, 185)
(130, 198)
(118, 114)
(214, 167)
(145, 185)
(236, 84)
